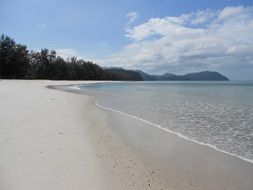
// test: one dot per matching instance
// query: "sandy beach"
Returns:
(52, 139)
(44, 144)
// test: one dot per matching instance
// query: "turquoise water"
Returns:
(219, 114)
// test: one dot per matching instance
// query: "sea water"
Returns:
(219, 114)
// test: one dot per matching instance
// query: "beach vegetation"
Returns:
(17, 62)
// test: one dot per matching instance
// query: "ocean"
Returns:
(217, 114)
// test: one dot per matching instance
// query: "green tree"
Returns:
(13, 59)
(17, 62)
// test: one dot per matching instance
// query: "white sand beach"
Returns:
(44, 144)
(52, 140)
(57, 140)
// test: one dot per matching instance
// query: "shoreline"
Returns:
(76, 89)
(178, 134)
(186, 164)
(64, 131)
(231, 164)
(57, 140)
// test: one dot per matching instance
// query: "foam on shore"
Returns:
(172, 132)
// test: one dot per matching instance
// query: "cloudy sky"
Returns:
(174, 36)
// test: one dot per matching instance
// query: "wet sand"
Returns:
(178, 163)
(181, 163)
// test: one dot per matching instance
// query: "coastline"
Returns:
(203, 166)
(77, 89)
(60, 140)
(57, 140)
(174, 133)
(186, 164)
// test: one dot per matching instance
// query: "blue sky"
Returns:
(155, 36)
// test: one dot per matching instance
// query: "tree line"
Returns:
(17, 62)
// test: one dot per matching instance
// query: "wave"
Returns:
(172, 132)
(77, 88)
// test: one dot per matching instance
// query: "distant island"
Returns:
(198, 76)
(16, 62)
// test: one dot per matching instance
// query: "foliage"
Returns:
(16, 62)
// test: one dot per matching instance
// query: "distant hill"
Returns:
(115, 73)
(198, 76)
(206, 75)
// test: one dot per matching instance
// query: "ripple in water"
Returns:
(216, 113)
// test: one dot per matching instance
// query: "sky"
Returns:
(163, 36)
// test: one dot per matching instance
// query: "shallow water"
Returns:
(216, 113)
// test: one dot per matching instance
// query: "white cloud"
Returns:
(205, 39)
(132, 16)
(203, 16)
(67, 52)
(229, 12)
(168, 26)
